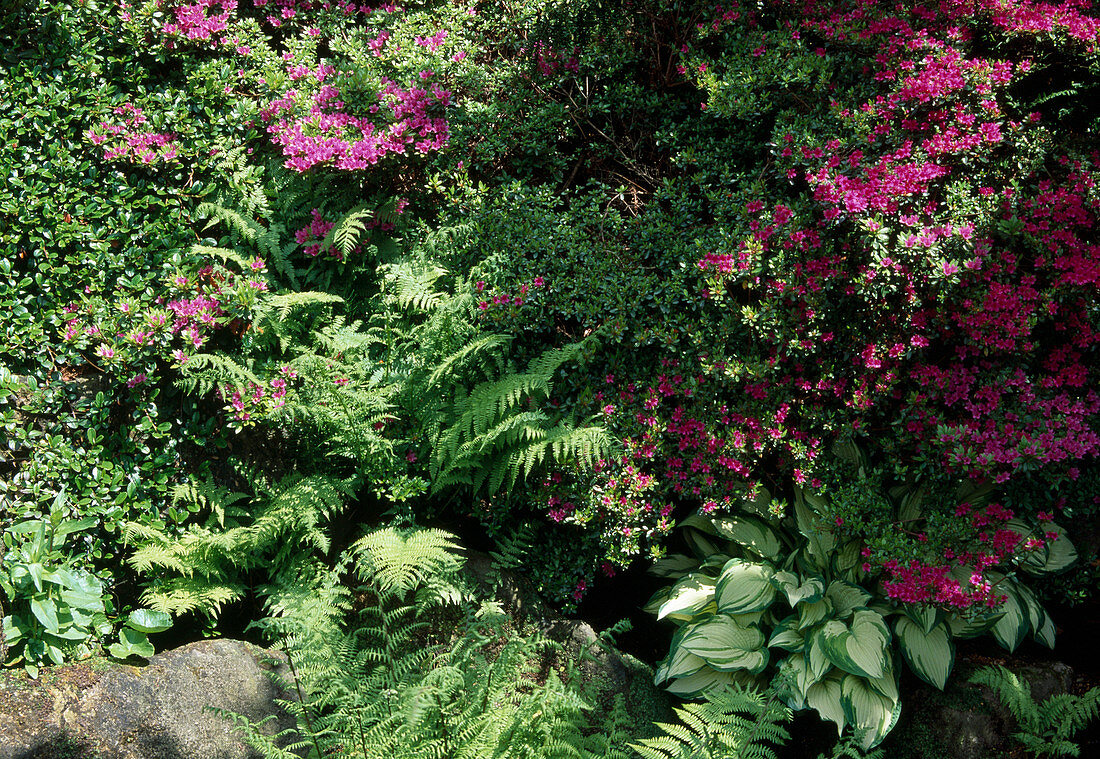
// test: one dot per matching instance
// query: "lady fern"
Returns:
(1045, 727)
(737, 723)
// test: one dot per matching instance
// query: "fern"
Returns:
(379, 685)
(204, 567)
(736, 723)
(1045, 728)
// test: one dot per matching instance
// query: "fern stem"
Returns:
(302, 701)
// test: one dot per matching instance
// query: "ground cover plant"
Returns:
(794, 302)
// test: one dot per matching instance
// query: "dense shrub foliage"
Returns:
(560, 276)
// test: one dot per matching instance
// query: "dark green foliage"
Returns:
(1046, 728)
(381, 682)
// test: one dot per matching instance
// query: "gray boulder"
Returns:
(104, 710)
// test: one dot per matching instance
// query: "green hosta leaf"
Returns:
(787, 635)
(704, 680)
(846, 598)
(818, 661)
(679, 662)
(751, 533)
(45, 611)
(860, 649)
(824, 697)
(1042, 626)
(930, 655)
(974, 625)
(848, 558)
(726, 645)
(925, 616)
(1054, 556)
(811, 613)
(1012, 628)
(796, 591)
(689, 596)
(868, 710)
(744, 587)
(148, 621)
(673, 565)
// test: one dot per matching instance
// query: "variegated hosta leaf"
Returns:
(674, 565)
(930, 655)
(798, 591)
(972, 624)
(824, 697)
(846, 598)
(1053, 556)
(860, 648)
(818, 661)
(812, 613)
(744, 587)
(867, 710)
(680, 662)
(787, 635)
(726, 645)
(707, 679)
(925, 616)
(1013, 626)
(689, 596)
(1042, 626)
(749, 532)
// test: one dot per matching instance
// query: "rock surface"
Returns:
(103, 710)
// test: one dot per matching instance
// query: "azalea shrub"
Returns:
(565, 275)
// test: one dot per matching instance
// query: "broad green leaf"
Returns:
(699, 522)
(673, 565)
(148, 621)
(1053, 556)
(701, 682)
(860, 649)
(972, 625)
(45, 611)
(744, 587)
(847, 558)
(797, 591)
(868, 710)
(131, 643)
(1042, 626)
(749, 532)
(679, 662)
(726, 645)
(1012, 628)
(925, 616)
(824, 697)
(818, 661)
(846, 598)
(931, 655)
(787, 635)
(811, 613)
(688, 597)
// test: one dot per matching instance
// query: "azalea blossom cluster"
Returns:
(312, 236)
(132, 340)
(317, 130)
(245, 406)
(501, 304)
(126, 139)
(199, 21)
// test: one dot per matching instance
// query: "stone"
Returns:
(104, 710)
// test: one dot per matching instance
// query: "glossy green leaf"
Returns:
(689, 596)
(744, 587)
(726, 645)
(931, 655)
(1011, 629)
(750, 532)
(860, 648)
(149, 621)
(867, 710)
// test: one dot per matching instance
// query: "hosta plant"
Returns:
(790, 600)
